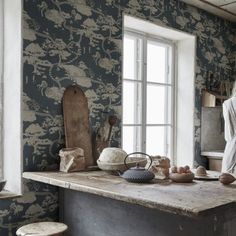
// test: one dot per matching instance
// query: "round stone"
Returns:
(42, 229)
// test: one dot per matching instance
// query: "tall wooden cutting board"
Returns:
(76, 121)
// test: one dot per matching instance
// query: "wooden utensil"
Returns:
(102, 138)
(112, 121)
(76, 122)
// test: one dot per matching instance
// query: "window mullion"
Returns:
(144, 89)
(166, 101)
(136, 93)
(140, 97)
(173, 61)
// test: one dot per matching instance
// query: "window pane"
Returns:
(132, 105)
(156, 63)
(129, 58)
(131, 138)
(158, 104)
(158, 140)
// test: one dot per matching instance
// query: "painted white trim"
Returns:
(12, 95)
(148, 82)
(153, 29)
(173, 78)
(144, 98)
(1, 87)
(185, 130)
(175, 103)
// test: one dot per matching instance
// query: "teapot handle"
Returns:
(142, 153)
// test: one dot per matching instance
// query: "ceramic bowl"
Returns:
(2, 184)
(112, 155)
(182, 178)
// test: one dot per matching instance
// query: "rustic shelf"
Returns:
(190, 199)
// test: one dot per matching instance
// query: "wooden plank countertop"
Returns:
(193, 199)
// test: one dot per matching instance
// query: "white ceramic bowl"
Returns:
(112, 155)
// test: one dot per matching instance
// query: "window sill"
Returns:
(8, 195)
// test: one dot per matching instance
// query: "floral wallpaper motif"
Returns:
(80, 42)
(233, 55)
(39, 203)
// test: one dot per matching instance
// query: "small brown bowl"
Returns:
(182, 178)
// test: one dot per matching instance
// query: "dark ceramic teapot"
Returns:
(138, 174)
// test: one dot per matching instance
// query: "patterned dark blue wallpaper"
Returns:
(39, 203)
(79, 42)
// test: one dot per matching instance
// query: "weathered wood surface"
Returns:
(190, 199)
(76, 122)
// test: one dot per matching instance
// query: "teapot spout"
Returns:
(119, 172)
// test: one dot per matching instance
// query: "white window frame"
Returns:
(12, 96)
(1, 87)
(185, 63)
(170, 65)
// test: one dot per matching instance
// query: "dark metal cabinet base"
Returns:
(91, 215)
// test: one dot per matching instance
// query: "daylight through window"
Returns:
(148, 95)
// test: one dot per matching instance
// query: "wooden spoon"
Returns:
(112, 121)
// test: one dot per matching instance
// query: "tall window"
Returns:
(148, 95)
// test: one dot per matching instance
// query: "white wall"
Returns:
(12, 95)
(185, 102)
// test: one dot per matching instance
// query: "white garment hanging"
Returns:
(229, 158)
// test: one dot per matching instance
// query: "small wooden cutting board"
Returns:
(76, 122)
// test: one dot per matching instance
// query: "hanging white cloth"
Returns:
(229, 158)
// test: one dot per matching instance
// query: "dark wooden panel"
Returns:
(90, 215)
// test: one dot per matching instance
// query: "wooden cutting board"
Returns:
(76, 122)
